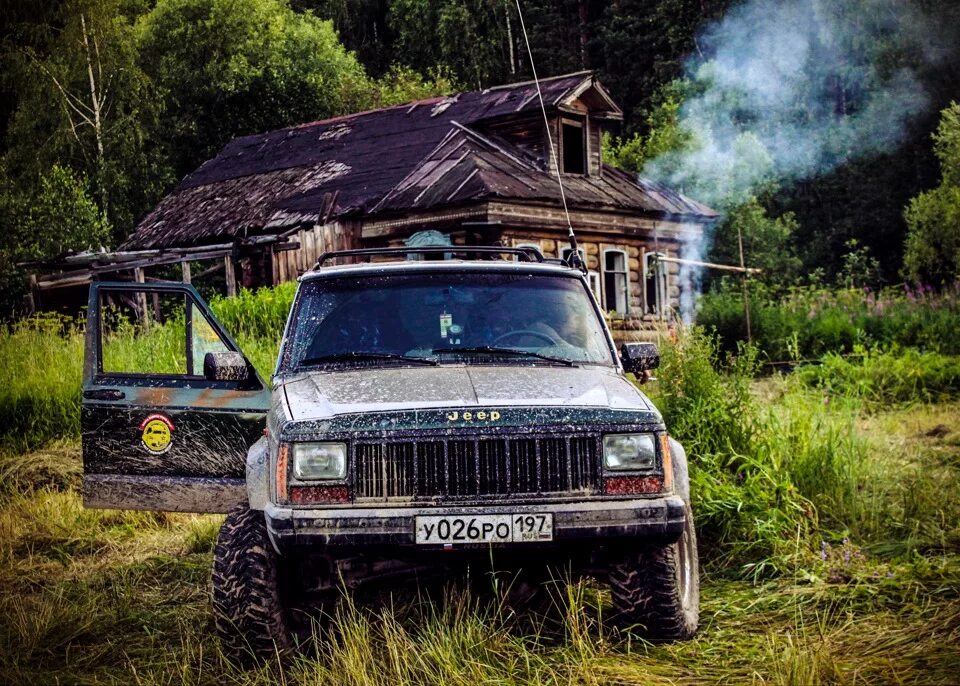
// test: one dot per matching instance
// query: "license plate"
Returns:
(490, 528)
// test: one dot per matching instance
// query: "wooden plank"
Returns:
(185, 267)
(713, 265)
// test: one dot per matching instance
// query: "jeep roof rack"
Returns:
(526, 254)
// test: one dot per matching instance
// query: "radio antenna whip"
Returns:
(575, 260)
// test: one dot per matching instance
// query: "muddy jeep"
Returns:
(426, 418)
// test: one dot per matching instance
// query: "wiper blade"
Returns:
(367, 355)
(494, 350)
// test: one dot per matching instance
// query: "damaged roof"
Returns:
(413, 157)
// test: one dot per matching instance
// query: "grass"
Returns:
(812, 321)
(827, 505)
(868, 593)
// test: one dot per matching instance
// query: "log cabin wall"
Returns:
(314, 240)
(641, 312)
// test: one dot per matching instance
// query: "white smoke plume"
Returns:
(790, 89)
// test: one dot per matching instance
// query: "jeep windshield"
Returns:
(472, 318)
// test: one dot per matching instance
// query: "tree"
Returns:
(229, 68)
(83, 103)
(932, 251)
(56, 215)
(471, 38)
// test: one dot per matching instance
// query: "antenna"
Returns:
(575, 260)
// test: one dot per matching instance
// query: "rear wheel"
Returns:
(250, 616)
(656, 592)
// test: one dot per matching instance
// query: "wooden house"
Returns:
(476, 167)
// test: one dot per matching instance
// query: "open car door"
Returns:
(170, 404)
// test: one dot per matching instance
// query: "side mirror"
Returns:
(225, 366)
(639, 357)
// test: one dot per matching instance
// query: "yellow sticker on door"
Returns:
(156, 434)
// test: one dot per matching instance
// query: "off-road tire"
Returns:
(247, 605)
(656, 591)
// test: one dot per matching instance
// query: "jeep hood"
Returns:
(326, 394)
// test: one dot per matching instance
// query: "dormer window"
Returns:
(574, 146)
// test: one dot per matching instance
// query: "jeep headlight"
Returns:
(313, 461)
(630, 451)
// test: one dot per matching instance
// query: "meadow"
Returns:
(828, 514)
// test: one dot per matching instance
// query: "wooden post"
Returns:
(746, 297)
(33, 302)
(230, 275)
(141, 299)
(185, 266)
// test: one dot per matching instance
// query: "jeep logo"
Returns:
(480, 416)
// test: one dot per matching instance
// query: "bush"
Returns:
(770, 479)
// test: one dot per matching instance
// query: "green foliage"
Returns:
(748, 510)
(932, 251)
(467, 37)
(228, 68)
(811, 321)
(775, 471)
(40, 399)
(402, 84)
(883, 377)
(664, 136)
(261, 313)
(767, 242)
(42, 221)
(83, 103)
(62, 201)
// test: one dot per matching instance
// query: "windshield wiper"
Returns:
(367, 355)
(493, 350)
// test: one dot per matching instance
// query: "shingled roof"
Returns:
(421, 155)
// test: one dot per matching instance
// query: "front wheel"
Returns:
(250, 616)
(656, 592)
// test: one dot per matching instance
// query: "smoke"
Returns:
(790, 89)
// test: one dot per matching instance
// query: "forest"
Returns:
(825, 133)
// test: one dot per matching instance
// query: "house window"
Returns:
(574, 144)
(616, 281)
(655, 283)
(593, 278)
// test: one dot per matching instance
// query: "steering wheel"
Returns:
(502, 338)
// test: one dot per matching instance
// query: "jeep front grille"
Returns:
(476, 467)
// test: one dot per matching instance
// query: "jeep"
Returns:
(426, 417)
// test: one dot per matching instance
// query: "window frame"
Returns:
(626, 278)
(660, 305)
(582, 125)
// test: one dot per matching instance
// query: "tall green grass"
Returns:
(775, 473)
(808, 322)
(887, 376)
(42, 359)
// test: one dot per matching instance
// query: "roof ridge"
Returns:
(582, 72)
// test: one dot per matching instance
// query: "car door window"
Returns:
(143, 332)
(154, 333)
